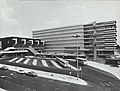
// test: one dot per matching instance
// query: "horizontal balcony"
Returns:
(110, 43)
(100, 54)
(50, 49)
(106, 50)
(89, 42)
(100, 30)
(59, 29)
(64, 46)
(107, 37)
(102, 25)
(63, 40)
(102, 37)
(65, 43)
(100, 46)
(99, 34)
(106, 29)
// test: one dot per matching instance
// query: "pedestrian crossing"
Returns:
(36, 62)
(26, 61)
(44, 63)
(13, 59)
(56, 64)
(19, 60)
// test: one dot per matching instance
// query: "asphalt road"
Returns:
(97, 81)
(12, 81)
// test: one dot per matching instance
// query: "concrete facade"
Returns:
(101, 36)
(21, 42)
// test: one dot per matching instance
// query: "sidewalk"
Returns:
(50, 75)
(113, 70)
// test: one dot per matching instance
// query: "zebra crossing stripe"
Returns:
(26, 61)
(13, 59)
(19, 60)
(44, 63)
(34, 62)
(56, 64)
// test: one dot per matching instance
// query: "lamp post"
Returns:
(77, 36)
(94, 41)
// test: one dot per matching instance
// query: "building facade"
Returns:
(21, 42)
(95, 36)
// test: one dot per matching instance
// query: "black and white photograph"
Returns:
(59, 45)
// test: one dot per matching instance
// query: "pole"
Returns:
(94, 43)
(77, 59)
(81, 71)
(77, 36)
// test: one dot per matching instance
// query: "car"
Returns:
(31, 73)
(114, 65)
(21, 71)
(4, 68)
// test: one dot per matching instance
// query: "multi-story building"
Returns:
(100, 37)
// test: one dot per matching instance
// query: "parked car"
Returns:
(114, 65)
(21, 71)
(4, 68)
(31, 73)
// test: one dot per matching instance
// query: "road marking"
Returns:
(102, 84)
(26, 61)
(2, 76)
(5, 77)
(19, 60)
(23, 86)
(34, 62)
(111, 83)
(28, 88)
(56, 64)
(107, 84)
(13, 59)
(44, 63)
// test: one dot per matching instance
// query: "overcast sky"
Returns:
(21, 17)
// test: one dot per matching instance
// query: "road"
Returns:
(12, 81)
(97, 81)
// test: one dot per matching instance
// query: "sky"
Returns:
(21, 17)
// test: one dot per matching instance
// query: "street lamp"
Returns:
(94, 41)
(77, 36)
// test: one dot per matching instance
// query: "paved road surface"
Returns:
(19, 82)
(97, 79)
(13, 81)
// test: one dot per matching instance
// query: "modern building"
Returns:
(21, 42)
(99, 38)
